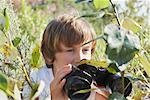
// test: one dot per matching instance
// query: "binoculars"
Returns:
(82, 76)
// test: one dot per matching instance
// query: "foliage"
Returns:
(21, 28)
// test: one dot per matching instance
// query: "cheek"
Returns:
(63, 59)
(67, 59)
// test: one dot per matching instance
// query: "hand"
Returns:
(56, 86)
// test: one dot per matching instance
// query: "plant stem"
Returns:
(99, 37)
(122, 77)
(24, 69)
(116, 13)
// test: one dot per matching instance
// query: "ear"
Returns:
(48, 60)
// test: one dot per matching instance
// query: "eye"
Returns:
(86, 50)
(70, 50)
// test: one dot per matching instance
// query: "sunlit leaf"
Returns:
(11, 86)
(101, 63)
(34, 90)
(17, 92)
(8, 50)
(130, 24)
(101, 4)
(116, 96)
(122, 45)
(35, 56)
(7, 25)
(84, 91)
(113, 68)
(3, 95)
(16, 41)
(145, 64)
(37, 90)
(3, 82)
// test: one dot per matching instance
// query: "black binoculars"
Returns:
(82, 76)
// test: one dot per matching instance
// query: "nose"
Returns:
(78, 57)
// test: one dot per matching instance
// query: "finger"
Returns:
(62, 83)
(61, 73)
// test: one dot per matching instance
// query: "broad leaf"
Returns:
(35, 56)
(37, 90)
(122, 45)
(84, 91)
(7, 25)
(116, 96)
(113, 68)
(9, 51)
(101, 4)
(3, 82)
(145, 64)
(101, 63)
(130, 24)
(16, 41)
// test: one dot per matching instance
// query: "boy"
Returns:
(61, 48)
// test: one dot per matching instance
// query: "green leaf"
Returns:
(113, 68)
(101, 4)
(16, 41)
(116, 96)
(35, 56)
(34, 89)
(121, 46)
(145, 64)
(102, 63)
(7, 25)
(130, 24)
(3, 82)
(38, 90)
(84, 91)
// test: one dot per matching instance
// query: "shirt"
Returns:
(44, 74)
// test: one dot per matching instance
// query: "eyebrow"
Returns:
(86, 46)
(87, 42)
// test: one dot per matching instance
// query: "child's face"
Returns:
(72, 55)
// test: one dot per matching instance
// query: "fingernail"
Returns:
(70, 66)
